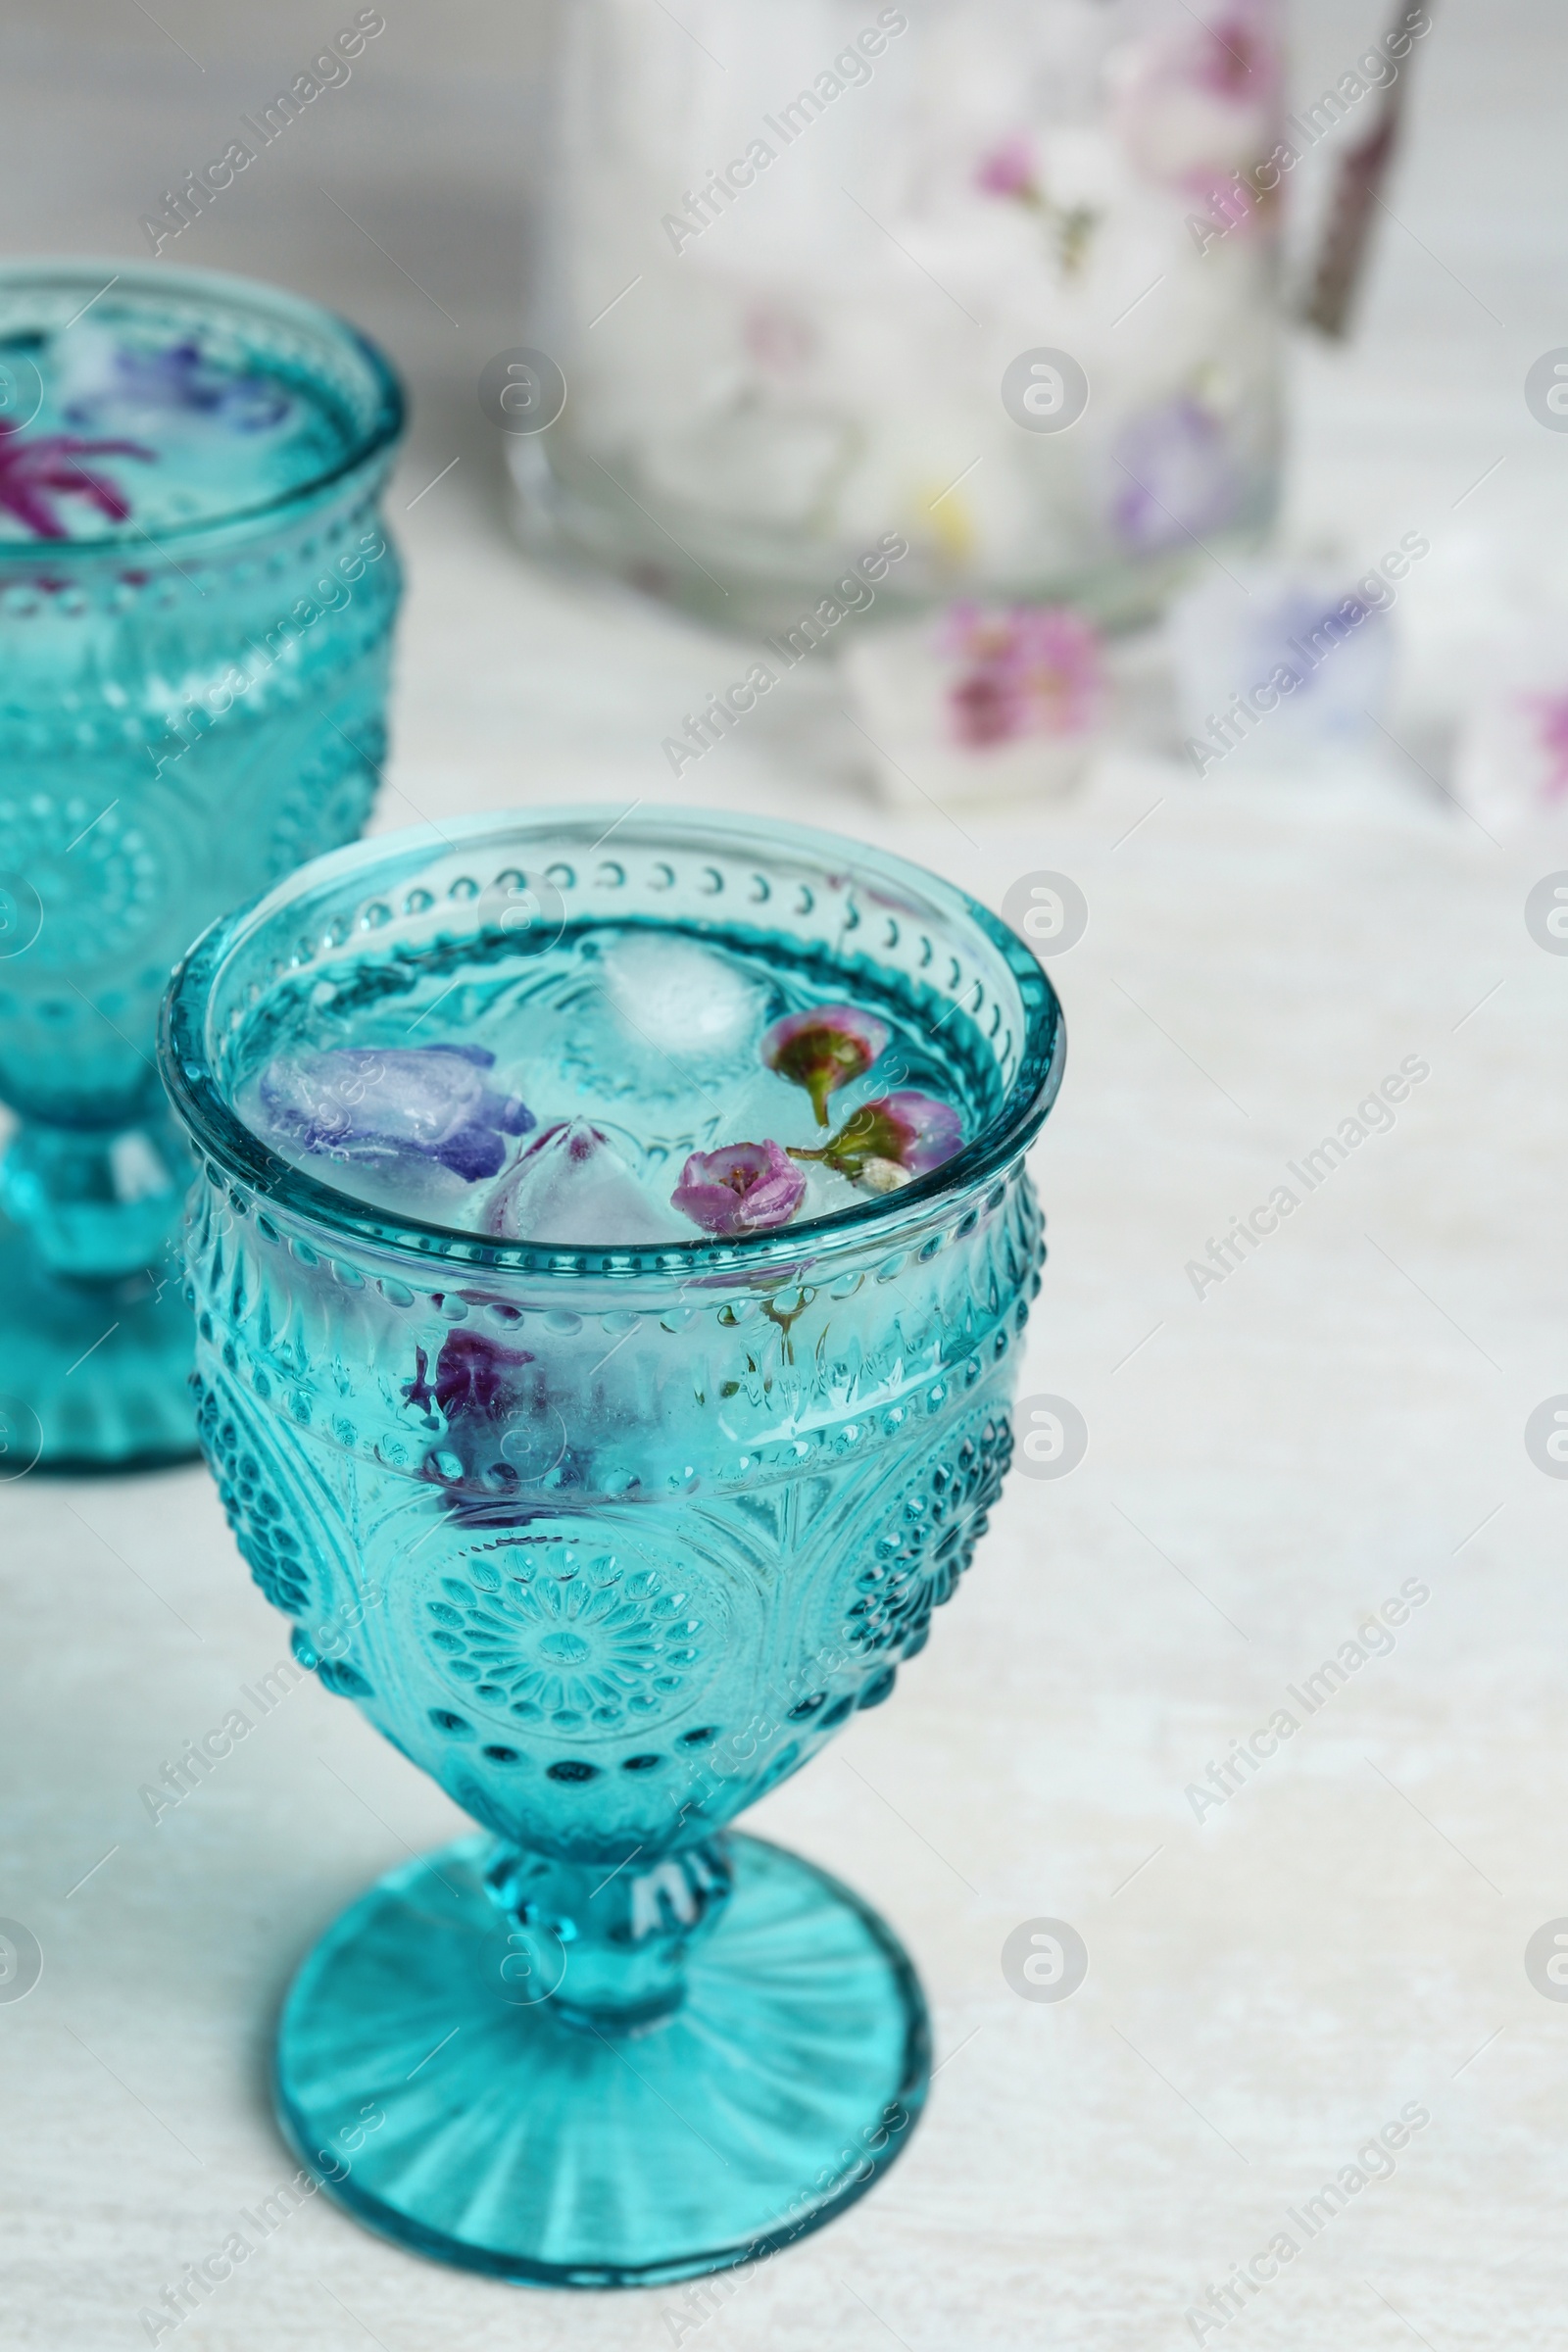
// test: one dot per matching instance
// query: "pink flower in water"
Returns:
(34, 474)
(1008, 169)
(889, 1142)
(823, 1048)
(744, 1188)
(1033, 670)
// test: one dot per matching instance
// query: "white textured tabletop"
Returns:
(1273, 1978)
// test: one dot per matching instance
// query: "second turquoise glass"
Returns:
(196, 605)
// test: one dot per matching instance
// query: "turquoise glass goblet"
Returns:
(196, 605)
(610, 1541)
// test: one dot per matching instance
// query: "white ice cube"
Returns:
(571, 1189)
(682, 999)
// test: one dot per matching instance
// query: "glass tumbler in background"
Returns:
(979, 279)
(196, 608)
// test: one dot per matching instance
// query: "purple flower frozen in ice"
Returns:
(501, 1433)
(395, 1107)
(180, 377)
(889, 1142)
(472, 1378)
(1033, 670)
(34, 474)
(823, 1048)
(743, 1187)
(1176, 476)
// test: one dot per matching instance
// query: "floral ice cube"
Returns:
(1035, 670)
(395, 1108)
(983, 702)
(1281, 663)
(475, 1378)
(571, 1187)
(1176, 476)
(100, 373)
(1512, 754)
(690, 999)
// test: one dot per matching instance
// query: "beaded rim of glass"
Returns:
(238, 298)
(235, 1153)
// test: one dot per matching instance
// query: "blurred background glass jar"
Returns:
(994, 280)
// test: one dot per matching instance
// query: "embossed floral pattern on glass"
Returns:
(627, 1533)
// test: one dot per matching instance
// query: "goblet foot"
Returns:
(95, 1374)
(462, 2115)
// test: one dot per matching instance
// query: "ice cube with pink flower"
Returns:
(574, 1185)
(1510, 757)
(982, 701)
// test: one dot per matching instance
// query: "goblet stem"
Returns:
(540, 2102)
(606, 1944)
(95, 1336)
(96, 1203)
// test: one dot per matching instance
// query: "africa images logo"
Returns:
(1373, 1116)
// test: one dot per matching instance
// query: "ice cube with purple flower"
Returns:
(1174, 477)
(396, 1109)
(100, 370)
(1279, 660)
